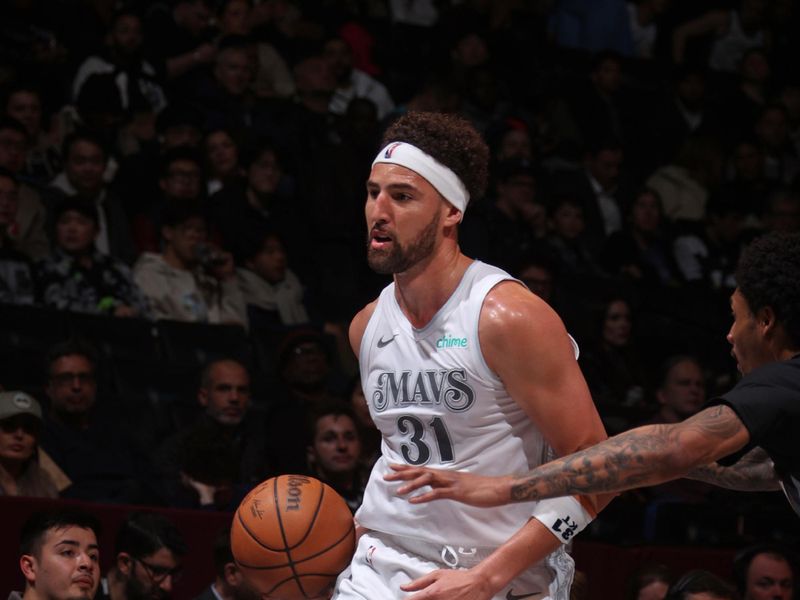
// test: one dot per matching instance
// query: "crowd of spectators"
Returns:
(195, 168)
(60, 550)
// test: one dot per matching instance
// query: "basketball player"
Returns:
(746, 439)
(462, 368)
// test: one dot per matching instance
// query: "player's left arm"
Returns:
(525, 344)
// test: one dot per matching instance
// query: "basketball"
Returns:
(291, 536)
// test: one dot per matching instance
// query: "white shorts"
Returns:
(382, 563)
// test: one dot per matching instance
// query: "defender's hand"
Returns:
(476, 490)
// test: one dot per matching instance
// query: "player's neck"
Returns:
(422, 290)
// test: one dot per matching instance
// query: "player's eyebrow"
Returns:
(393, 186)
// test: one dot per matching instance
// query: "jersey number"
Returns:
(417, 451)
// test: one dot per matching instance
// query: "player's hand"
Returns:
(476, 490)
(450, 584)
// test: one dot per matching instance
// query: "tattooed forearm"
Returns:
(640, 457)
(753, 473)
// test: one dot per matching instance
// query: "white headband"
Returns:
(443, 179)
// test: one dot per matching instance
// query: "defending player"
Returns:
(462, 368)
(752, 429)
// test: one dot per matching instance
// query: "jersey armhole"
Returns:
(476, 325)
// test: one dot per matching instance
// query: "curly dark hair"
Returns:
(768, 274)
(451, 140)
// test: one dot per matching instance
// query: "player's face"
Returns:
(336, 445)
(684, 389)
(152, 577)
(745, 337)
(72, 387)
(67, 567)
(403, 214)
(227, 396)
(769, 578)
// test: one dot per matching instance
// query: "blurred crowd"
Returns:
(182, 236)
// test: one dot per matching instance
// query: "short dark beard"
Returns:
(136, 590)
(399, 259)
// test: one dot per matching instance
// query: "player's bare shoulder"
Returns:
(359, 324)
(509, 305)
(511, 317)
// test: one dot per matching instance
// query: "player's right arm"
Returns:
(356, 332)
(640, 457)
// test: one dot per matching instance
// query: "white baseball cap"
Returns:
(18, 403)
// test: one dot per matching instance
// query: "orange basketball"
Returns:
(292, 536)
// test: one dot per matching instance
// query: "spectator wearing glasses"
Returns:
(83, 435)
(20, 428)
(149, 557)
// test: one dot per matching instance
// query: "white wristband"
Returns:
(565, 517)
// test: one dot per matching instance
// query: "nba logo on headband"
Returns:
(390, 149)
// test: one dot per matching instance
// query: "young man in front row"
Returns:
(745, 440)
(59, 557)
(462, 367)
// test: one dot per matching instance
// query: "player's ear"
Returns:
(453, 216)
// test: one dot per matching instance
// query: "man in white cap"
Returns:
(460, 365)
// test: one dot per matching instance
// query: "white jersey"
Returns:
(437, 403)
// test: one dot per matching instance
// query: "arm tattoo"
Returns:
(639, 457)
(754, 472)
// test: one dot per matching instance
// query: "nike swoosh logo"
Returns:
(382, 343)
(512, 596)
